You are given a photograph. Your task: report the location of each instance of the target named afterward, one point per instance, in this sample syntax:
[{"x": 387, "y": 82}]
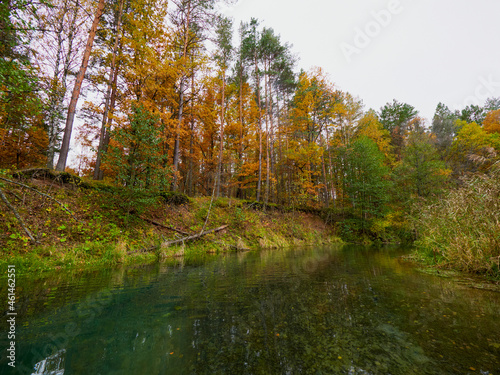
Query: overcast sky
[{"x": 421, "y": 52}]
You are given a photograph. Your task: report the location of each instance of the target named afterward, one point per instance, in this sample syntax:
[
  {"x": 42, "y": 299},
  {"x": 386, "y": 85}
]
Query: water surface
[{"x": 325, "y": 310}]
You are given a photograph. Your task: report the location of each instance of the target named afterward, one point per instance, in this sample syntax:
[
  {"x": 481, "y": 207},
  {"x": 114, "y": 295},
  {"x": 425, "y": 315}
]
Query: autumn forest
[{"x": 155, "y": 96}]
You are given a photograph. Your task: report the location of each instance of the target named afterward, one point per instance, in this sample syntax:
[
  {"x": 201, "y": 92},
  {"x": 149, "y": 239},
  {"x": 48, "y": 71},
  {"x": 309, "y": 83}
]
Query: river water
[{"x": 321, "y": 310}]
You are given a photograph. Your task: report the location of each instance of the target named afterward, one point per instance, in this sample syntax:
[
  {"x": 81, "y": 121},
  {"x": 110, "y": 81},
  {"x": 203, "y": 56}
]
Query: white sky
[{"x": 430, "y": 51}]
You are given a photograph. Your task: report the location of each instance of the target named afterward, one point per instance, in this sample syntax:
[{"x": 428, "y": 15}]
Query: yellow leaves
[
  {"x": 444, "y": 172},
  {"x": 315, "y": 105},
  {"x": 473, "y": 148},
  {"x": 371, "y": 127},
  {"x": 302, "y": 154}
]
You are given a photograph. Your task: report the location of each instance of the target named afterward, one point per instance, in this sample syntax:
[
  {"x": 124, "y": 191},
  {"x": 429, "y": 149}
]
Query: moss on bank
[{"x": 112, "y": 226}]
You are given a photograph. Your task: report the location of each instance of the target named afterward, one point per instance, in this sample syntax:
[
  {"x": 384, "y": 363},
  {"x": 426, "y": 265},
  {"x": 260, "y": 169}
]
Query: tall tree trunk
[
  {"x": 57, "y": 98},
  {"x": 259, "y": 181},
  {"x": 280, "y": 181},
  {"x": 61, "y": 164},
  {"x": 221, "y": 134},
  {"x": 266, "y": 92},
  {"x": 190, "y": 176},
  {"x": 177, "y": 152},
  {"x": 107, "y": 135},
  {"x": 113, "y": 74},
  {"x": 239, "y": 190}
]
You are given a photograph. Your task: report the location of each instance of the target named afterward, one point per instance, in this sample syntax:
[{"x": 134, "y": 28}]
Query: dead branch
[
  {"x": 193, "y": 237},
  {"x": 186, "y": 234},
  {"x": 164, "y": 226},
  {"x": 16, "y": 214},
  {"x": 15, "y": 195},
  {"x": 42, "y": 194}
]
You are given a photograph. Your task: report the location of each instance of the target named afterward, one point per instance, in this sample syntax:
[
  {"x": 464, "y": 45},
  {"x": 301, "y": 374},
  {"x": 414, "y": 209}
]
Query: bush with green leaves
[
  {"x": 366, "y": 181},
  {"x": 137, "y": 159},
  {"x": 136, "y": 156}
]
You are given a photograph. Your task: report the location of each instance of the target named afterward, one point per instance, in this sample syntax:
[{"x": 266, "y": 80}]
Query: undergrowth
[{"x": 462, "y": 231}]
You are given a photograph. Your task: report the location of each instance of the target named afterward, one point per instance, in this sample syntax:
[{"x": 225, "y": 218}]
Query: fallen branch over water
[
  {"x": 193, "y": 237},
  {"x": 184, "y": 233},
  {"x": 175, "y": 242}
]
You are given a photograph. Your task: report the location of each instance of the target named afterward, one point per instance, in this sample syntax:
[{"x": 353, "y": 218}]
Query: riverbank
[
  {"x": 462, "y": 230},
  {"x": 89, "y": 225}
]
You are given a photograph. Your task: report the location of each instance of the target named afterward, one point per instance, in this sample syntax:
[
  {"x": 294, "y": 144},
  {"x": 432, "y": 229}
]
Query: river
[{"x": 314, "y": 310}]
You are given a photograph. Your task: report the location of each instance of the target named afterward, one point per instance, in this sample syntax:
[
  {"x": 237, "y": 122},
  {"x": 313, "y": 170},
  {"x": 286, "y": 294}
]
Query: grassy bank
[
  {"x": 462, "y": 231},
  {"x": 109, "y": 226}
]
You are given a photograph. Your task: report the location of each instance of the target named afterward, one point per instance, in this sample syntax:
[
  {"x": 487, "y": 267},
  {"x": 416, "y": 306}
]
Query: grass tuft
[{"x": 462, "y": 231}]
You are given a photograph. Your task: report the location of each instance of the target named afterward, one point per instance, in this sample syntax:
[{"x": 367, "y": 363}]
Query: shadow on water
[{"x": 326, "y": 310}]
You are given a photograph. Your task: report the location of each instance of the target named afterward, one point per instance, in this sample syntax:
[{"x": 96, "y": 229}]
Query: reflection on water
[{"x": 345, "y": 310}]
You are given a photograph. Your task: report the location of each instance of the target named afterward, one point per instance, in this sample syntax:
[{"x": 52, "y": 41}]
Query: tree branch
[
  {"x": 193, "y": 237},
  {"x": 16, "y": 214},
  {"x": 42, "y": 194}
]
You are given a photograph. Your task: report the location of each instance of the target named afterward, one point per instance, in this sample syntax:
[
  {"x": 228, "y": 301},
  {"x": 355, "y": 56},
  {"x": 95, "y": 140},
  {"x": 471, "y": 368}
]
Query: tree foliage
[
  {"x": 134, "y": 158},
  {"x": 367, "y": 181}
]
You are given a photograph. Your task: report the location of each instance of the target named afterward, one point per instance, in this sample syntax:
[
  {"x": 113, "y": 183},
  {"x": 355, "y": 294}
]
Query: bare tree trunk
[
  {"x": 259, "y": 181},
  {"x": 221, "y": 134},
  {"x": 177, "y": 152},
  {"x": 61, "y": 164},
  {"x": 57, "y": 98},
  {"x": 113, "y": 74},
  {"x": 239, "y": 190},
  {"x": 107, "y": 135},
  {"x": 280, "y": 181},
  {"x": 266, "y": 92},
  {"x": 190, "y": 176}
]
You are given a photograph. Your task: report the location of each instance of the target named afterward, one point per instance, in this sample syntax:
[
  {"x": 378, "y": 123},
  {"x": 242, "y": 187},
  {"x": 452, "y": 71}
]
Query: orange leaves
[
  {"x": 491, "y": 123},
  {"x": 20, "y": 148}
]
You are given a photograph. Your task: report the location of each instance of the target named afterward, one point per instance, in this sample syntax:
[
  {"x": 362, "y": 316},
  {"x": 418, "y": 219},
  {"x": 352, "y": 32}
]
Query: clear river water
[{"x": 314, "y": 310}]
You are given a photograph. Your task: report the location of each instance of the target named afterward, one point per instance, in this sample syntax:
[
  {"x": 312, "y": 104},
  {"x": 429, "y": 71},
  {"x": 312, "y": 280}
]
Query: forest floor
[{"x": 101, "y": 226}]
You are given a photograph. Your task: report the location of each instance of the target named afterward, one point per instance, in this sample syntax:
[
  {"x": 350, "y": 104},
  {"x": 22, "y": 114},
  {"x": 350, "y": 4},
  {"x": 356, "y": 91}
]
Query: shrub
[{"x": 174, "y": 198}]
